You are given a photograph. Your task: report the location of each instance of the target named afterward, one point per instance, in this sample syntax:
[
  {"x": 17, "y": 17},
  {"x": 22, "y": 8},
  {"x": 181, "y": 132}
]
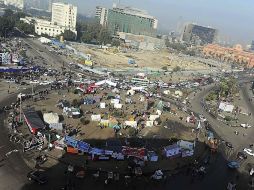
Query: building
[
  {"x": 252, "y": 46},
  {"x": 199, "y": 35},
  {"x": 101, "y": 14},
  {"x": 16, "y": 3},
  {"x": 128, "y": 20},
  {"x": 64, "y": 15},
  {"x": 63, "y": 18},
  {"x": 48, "y": 28},
  {"x": 231, "y": 55}
]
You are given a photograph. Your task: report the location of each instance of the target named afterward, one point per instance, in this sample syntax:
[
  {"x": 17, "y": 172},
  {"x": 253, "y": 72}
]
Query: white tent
[
  {"x": 118, "y": 106},
  {"x": 224, "y": 106},
  {"x": 131, "y": 123},
  {"x": 44, "y": 40},
  {"x": 153, "y": 117},
  {"x": 96, "y": 117},
  {"x": 51, "y": 118}
]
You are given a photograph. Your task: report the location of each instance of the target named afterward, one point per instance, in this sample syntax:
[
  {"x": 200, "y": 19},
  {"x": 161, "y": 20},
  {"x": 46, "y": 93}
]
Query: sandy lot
[{"x": 151, "y": 59}]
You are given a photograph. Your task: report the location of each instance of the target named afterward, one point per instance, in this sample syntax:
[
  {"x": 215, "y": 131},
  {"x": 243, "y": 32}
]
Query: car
[
  {"x": 37, "y": 176},
  {"x": 245, "y": 125},
  {"x": 249, "y": 151},
  {"x": 229, "y": 145},
  {"x": 233, "y": 164},
  {"x": 10, "y": 81},
  {"x": 202, "y": 118},
  {"x": 45, "y": 83},
  {"x": 241, "y": 155},
  {"x": 23, "y": 83},
  {"x": 34, "y": 82}
]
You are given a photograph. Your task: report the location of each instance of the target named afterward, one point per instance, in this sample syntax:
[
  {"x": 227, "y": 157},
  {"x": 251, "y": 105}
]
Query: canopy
[
  {"x": 33, "y": 120},
  {"x": 51, "y": 118}
]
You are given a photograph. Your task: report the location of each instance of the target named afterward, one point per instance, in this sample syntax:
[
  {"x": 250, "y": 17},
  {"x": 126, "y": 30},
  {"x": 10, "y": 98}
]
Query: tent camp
[{"x": 33, "y": 120}]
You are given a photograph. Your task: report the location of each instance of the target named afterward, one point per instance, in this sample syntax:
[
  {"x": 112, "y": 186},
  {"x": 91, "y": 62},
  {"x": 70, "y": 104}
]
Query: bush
[
  {"x": 164, "y": 68},
  {"x": 75, "y": 103},
  {"x": 228, "y": 118},
  {"x": 176, "y": 69},
  {"x": 84, "y": 121},
  {"x": 132, "y": 132},
  {"x": 76, "y": 91}
]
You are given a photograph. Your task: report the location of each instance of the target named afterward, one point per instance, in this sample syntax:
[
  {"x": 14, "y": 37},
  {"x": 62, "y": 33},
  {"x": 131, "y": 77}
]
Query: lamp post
[{"x": 20, "y": 108}]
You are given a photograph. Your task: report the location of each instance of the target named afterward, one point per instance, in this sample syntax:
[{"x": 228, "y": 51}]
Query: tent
[
  {"x": 225, "y": 106},
  {"x": 56, "y": 126},
  {"x": 96, "y": 117},
  {"x": 131, "y": 124},
  {"x": 172, "y": 150},
  {"x": 33, "y": 120},
  {"x": 51, "y": 118}
]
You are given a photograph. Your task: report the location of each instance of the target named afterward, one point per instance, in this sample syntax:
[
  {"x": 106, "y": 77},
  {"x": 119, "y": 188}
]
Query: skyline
[{"x": 173, "y": 14}]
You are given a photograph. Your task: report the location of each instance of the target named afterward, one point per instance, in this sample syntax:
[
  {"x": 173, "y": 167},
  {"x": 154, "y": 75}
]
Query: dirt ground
[
  {"x": 148, "y": 59},
  {"x": 93, "y": 131}
]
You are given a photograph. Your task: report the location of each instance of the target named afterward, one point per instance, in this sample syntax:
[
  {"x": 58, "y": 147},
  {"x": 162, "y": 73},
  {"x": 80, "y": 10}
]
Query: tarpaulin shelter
[
  {"x": 33, "y": 121},
  {"x": 51, "y": 118},
  {"x": 172, "y": 150},
  {"x": 227, "y": 107},
  {"x": 56, "y": 126}
]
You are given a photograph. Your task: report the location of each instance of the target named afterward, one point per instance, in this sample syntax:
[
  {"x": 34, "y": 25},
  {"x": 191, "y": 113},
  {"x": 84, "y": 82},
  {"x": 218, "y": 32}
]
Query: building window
[
  {"x": 37, "y": 27},
  {"x": 49, "y": 29}
]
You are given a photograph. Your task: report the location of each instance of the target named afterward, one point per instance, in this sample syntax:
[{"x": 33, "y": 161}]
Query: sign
[
  {"x": 135, "y": 152},
  {"x": 70, "y": 141}
]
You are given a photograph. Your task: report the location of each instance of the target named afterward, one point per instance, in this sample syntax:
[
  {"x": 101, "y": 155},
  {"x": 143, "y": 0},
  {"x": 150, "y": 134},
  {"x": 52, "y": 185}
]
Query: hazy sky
[{"x": 233, "y": 18}]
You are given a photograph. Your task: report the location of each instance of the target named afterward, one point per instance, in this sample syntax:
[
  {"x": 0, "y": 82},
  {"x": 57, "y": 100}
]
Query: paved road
[{"x": 227, "y": 133}]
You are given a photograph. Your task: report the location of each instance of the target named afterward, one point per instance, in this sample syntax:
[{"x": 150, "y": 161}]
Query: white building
[
  {"x": 64, "y": 15},
  {"x": 49, "y": 28},
  {"x": 101, "y": 14},
  {"x": 16, "y": 3},
  {"x": 63, "y": 18}
]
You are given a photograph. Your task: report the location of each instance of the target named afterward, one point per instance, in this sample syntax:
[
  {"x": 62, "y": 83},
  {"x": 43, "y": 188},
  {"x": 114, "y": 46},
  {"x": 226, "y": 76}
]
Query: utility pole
[{"x": 20, "y": 99}]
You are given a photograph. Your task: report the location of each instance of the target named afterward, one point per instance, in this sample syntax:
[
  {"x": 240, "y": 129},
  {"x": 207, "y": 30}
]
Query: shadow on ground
[{"x": 178, "y": 173}]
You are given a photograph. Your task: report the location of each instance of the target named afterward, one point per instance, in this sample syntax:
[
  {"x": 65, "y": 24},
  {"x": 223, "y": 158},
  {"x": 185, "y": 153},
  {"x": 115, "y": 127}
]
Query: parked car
[
  {"x": 245, "y": 125},
  {"x": 34, "y": 82},
  {"x": 229, "y": 145},
  {"x": 37, "y": 176},
  {"x": 233, "y": 164},
  {"x": 45, "y": 83},
  {"x": 241, "y": 155},
  {"x": 249, "y": 151}
]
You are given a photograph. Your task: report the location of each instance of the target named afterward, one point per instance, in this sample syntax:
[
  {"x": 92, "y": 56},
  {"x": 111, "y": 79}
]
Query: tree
[
  {"x": 25, "y": 27},
  {"x": 86, "y": 37},
  {"x": 104, "y": 36},
  {"x": 69, "y": 35},
  {"x": 176, "y": 69},
  {"x": 115, "y": 42}
]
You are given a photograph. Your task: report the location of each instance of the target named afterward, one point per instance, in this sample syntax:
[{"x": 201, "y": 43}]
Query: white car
[
  {"x": 34, "y": 82},
  {"x": 246, "y": 125},
  {"x": 10, "y": 81},
  {"x": 249, "y": 151},
  {"x": 45, "y": 83},
  {"x": 202, "y": 118}
]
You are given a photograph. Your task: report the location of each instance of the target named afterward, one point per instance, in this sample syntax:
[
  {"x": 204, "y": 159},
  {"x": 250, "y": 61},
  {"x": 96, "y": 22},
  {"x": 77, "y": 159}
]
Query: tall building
[
  {"x": 16, "y": 3},
  {"x": 101, "y": 14},
  {"x": 252, "y": 46},
  {"x": 64, "y": 15},
  {"x": 199, "y": 35},
  {"x": 128, "y": 20}
]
